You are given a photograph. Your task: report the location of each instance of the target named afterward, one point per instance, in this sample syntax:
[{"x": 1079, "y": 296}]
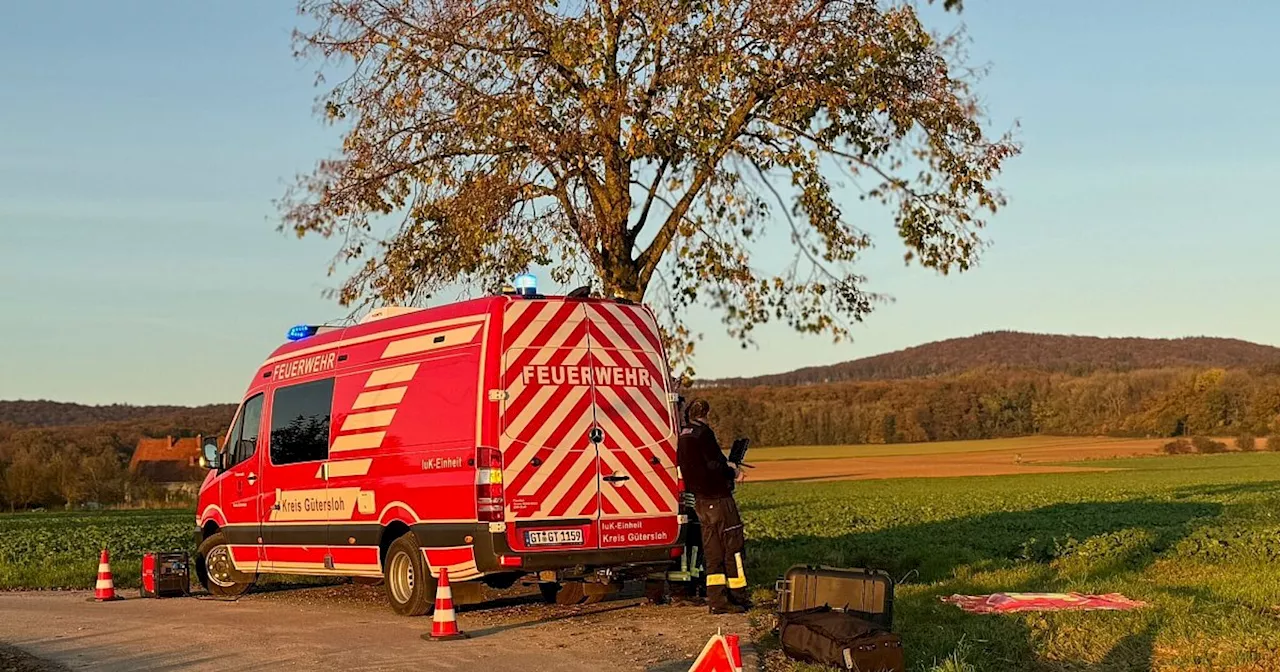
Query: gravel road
[{"x": 349, "y": 628}]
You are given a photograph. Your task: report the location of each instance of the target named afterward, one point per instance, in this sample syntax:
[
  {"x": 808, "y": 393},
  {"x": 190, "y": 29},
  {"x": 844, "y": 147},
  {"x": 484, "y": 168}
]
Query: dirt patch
[{"x": 1031, "y": 460}]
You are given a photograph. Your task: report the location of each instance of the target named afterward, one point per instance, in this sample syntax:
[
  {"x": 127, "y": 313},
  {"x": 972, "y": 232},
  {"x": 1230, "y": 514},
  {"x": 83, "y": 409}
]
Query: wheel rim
[
  {"x": 219, "y": 567},
  {"x": 400, "y": 578}
]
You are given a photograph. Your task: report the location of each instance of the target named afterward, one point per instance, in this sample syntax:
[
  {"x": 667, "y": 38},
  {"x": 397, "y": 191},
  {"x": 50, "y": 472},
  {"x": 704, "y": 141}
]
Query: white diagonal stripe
[
  {"x": 357, "y": 441},
  {"x": 515, "y": 426},
  {"x": 514, "y": 380},
  {"x": 387, "y": 397},
  {"x": 586, "y": 462},
  {"x": 646, "y": 504},
  {"x": 368, "y": 420},
  {"x": 591, "y": 490},
  {"x": 431, "y": 341},
  {"x": 538, "y": 440},
  {"x": 398, "y": 374}
]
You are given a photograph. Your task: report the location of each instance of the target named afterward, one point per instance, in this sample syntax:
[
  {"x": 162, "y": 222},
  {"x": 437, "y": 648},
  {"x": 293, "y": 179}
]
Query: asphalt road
[{"x": 349, "y": 628}]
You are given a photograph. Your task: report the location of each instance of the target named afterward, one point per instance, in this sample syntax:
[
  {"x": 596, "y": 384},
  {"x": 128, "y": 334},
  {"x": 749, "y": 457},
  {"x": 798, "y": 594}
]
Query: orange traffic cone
[
  {"x": 715, "y": 657},
  {"x": 105, "y": 589},
  {"x": 444, "y": 624}
]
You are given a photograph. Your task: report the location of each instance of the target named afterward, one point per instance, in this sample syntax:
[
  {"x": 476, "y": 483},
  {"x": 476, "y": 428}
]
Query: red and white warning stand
[{"x": 721, "y": 654}]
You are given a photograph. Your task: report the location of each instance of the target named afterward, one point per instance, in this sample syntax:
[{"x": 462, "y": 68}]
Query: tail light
[{"x": 489, "y": 499}]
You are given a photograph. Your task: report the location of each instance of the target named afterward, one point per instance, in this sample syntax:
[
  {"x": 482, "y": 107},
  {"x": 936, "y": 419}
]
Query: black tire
[
  {"x": 410, "y": 588},
  {"x": 549, "y": 591},
  {"x": 214, "y": 555}
]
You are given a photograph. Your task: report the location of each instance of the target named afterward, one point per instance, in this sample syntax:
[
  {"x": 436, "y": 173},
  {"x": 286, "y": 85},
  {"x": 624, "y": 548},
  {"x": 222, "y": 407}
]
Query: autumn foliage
[{"x": 650, "y": 147}]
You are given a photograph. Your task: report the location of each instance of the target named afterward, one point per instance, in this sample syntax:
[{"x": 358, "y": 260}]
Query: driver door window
[{"x": 242, "y": 440}]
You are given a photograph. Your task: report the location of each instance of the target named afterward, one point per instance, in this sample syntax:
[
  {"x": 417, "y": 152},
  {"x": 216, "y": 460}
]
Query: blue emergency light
[
  {"x": 526, "y": 284},
  {"x": 301, "y": 331}
]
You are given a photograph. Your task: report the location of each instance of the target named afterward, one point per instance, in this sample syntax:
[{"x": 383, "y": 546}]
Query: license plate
[{"x": 553, "y": 537}]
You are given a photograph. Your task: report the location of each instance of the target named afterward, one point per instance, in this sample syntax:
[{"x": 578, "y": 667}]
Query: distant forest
[
  {"x": 58, "y": 454},
  {"x": 991, "y": 403},
  {"x": 992, "y": 385}
]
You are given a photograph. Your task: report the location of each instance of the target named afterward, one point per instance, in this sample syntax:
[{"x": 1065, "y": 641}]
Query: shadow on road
[{"x": 580, "y": 612}]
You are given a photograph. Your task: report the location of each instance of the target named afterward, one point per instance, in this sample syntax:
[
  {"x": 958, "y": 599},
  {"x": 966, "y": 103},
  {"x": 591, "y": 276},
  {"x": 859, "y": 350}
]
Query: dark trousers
[{"x": 722, "y": 550}]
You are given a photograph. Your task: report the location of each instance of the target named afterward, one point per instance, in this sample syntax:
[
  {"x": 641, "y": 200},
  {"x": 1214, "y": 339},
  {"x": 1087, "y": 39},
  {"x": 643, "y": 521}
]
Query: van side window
[
  {"x": 242, "y": 441},
  {"x": 300, "y": 422}
]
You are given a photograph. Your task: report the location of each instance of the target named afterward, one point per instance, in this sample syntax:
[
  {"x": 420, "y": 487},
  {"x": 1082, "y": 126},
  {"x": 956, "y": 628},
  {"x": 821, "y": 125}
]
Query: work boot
[
  {"x": 740, "y": 598},
  {"x": 730, "y": 608}
]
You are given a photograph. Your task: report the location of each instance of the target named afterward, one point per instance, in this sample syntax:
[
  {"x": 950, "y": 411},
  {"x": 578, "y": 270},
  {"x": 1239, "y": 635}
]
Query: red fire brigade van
[{"x": 500, "y": 437}]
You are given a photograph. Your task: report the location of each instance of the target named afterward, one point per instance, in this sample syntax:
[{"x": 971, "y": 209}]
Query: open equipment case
[
  {"x": 865, "y": 593},
  {"x": 839, "y": 617}
]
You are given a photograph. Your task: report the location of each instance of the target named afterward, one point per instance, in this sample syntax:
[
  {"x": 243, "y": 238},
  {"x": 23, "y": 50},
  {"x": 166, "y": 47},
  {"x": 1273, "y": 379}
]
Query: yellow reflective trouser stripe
[
  {"x": 715, "y": 580},
  {"x": 739, "y": 581}
]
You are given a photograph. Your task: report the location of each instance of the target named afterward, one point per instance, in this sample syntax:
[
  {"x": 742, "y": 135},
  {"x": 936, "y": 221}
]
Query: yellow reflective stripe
[
  {"x": 739, "y": 581},
  {"x": 716, "y": 580}
]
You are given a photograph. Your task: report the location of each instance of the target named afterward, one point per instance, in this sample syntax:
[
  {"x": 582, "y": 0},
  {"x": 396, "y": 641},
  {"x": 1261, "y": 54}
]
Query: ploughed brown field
[{"x": 1027, "y": 455}]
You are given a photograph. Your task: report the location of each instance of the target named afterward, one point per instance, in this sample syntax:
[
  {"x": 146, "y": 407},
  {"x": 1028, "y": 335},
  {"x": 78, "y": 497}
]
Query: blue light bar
[
  {"x": 301, "y": 331},
  {"x": 526, "y": 284}
]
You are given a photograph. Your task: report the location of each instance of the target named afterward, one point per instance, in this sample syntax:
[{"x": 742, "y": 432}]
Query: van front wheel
[
  {"x": 410, "y": 587},
  {"x": 215, "y": 570}
]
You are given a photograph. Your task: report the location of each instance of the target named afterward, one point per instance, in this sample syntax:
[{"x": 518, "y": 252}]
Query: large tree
[{"x": 645, "y": 145}]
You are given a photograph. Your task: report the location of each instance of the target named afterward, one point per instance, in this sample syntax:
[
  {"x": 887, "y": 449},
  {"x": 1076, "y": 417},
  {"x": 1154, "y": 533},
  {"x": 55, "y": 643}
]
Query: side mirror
[{"x": 210, "y": 459}]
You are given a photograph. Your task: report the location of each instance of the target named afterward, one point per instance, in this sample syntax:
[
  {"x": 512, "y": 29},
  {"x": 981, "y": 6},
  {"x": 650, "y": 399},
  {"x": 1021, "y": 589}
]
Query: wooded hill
[
  {"x": 1004, "y": 384},
  {"x": 62, "y": 414},
  {"x": 1073, "y": 355}
]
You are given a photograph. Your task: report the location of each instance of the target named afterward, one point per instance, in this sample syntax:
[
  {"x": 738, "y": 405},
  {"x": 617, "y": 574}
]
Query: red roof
[{"x": 168, "y": 459}]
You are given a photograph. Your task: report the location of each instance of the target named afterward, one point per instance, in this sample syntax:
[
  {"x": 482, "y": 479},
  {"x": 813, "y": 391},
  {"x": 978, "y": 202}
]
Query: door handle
[
  {"x": 253, "y": 478},
  {"x": 616, "y": 479}
]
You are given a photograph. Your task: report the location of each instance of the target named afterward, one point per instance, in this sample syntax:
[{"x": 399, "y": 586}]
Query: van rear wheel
[
  {"x": 216, "y": 571},
  {"x": 411, "y": 589}
]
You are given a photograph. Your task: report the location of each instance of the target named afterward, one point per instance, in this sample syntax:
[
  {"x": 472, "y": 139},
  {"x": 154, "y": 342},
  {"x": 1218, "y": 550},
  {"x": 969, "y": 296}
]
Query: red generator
[{"x": 165, "y": 575}]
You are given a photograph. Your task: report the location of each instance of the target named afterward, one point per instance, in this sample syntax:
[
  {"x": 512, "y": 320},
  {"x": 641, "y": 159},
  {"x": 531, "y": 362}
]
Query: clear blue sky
[{"x": 141, "y": 144}]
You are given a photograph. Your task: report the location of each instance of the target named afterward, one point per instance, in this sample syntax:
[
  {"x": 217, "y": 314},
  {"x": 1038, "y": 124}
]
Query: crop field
[
  {"x": 1197, "y": 537},
  {"x": 1025, "y": 455},
  {"x": 60, "y": 550}
]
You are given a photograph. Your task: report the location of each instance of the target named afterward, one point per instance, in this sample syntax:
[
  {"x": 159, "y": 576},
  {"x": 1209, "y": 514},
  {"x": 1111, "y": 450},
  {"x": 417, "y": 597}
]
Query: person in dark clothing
[{"x": 709, "y": 476}]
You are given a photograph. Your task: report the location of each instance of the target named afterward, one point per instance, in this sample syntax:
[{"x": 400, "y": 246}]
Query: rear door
[
  {"x": 550, "y": 463},
  {"x": 637, "y": 453}
]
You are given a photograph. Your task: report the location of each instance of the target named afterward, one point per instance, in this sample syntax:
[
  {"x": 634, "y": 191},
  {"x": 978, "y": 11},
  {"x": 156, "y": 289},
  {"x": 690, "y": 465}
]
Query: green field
[
  {"x": 774, "y": 454},
  {"x": 1198, "y": 537},
  {"x": 60, "y": 550}
]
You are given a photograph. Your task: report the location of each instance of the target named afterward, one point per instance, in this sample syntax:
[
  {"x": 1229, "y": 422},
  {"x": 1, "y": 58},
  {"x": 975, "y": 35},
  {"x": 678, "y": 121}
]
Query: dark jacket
[{"x": 703, "y": 466}]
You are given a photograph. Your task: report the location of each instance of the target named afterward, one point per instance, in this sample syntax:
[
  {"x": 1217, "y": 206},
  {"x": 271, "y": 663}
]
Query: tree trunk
[{"x": 622, "y": 280}]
